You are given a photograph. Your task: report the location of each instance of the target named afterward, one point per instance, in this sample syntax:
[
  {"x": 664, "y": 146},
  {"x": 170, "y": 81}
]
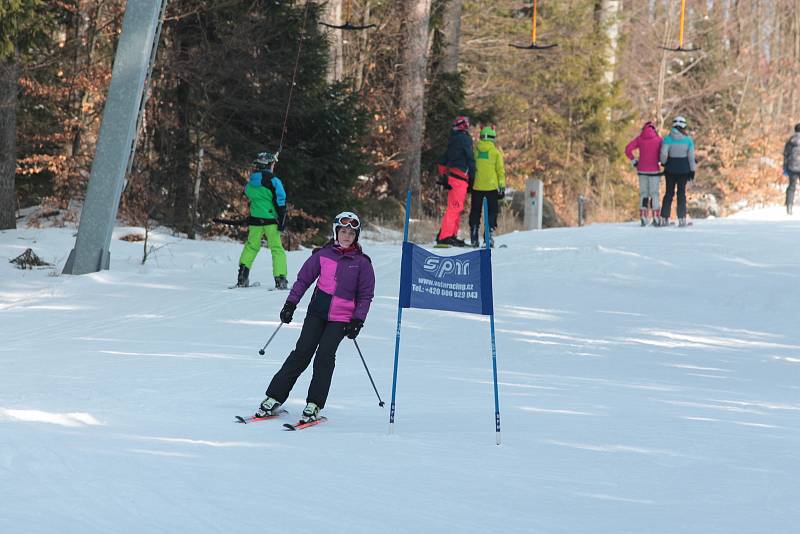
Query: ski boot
[
  {"x": 491, "y": 237},
  {"x": 453, "y": 241},
  {"x": 682, "y": 221},
  {"x": 281, "y": 282},
  {"x": 643, "y": 216},
  {"x": 268, "y": 407},
  {"x": 310, "y": 412},
  {"x": 243, "y": 279},
  {"x": 473, "y": 236}
]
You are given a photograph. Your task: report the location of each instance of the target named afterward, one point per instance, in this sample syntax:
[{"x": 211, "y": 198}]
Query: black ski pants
[
  {"x": 318, "y": 335},
  {"x": 476, "y": 208},
  {"x": 790, "y": 190},
  {"x": 675, "y": 181}
]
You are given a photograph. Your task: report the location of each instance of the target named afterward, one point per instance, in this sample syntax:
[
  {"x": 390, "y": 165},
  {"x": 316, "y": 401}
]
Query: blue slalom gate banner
[{"x": 461, "y": 283}]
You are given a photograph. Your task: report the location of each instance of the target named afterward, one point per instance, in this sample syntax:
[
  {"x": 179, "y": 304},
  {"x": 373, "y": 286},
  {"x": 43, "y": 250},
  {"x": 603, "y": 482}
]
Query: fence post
[{"x": 534, "y": 197}]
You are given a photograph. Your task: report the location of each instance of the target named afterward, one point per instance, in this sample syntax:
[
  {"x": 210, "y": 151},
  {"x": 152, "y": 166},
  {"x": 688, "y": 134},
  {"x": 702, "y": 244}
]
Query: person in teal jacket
[
  {"x": 677, "y": 157},
  {"x": 267, "y": 219}
]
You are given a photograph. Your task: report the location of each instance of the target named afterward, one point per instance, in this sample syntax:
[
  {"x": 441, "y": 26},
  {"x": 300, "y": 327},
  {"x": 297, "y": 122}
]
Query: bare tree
[
  {"x": 363, "y": 47},
  {"x": 333, "y": 15},
  {"x": 452, "y": 35},
  {"x": 607, "y": 12},
  {"x": 416, "y": 14},
  {"x": 8, "y": 147}
]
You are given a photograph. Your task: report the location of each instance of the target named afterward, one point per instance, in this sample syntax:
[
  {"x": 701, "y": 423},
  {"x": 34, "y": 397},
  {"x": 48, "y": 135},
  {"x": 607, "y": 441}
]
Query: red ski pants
[{"x": 455, "y": 207}]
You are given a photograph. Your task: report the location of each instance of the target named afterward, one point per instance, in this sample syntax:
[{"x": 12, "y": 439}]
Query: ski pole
[
  {"x": 380, "y": 402},
  {"x": 262, "y": 349}
]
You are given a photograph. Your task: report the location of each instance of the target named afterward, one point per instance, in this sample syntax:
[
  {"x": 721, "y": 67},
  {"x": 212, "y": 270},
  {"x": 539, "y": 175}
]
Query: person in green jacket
[
  {"x": 267, "y": 219},
  {"x": 490, "y": 183}
]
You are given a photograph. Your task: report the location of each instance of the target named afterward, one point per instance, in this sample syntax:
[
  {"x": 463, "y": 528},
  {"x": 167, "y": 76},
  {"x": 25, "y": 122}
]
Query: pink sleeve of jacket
[{"x": 633, "y": 145}]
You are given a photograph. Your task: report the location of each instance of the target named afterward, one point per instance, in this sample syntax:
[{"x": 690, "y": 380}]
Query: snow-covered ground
[{"x": 649, "y": 382}]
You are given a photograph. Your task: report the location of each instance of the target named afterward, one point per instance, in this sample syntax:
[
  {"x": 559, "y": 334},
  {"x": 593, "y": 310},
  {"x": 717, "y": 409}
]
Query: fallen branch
[{"x": 29, "y": 260}]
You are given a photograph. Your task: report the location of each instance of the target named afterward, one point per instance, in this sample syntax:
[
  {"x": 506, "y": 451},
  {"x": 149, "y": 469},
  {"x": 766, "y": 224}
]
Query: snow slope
[{"x": 649, "y": 382}]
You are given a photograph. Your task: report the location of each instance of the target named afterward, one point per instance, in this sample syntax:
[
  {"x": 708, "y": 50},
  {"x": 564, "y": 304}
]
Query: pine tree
[
  {"x": 22, "y": 28},
  {"x": 222, "y": 83}
]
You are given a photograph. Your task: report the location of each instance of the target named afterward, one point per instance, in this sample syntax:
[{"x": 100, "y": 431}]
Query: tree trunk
[
  {"x": 452, "y": 35},
  {"x": 333, "y": 15},
  {"x": 795, "y": 56},
  {"x": 416, "y": 14},
  {"x": 8, "y": 143},
  {"x": 363, "y": 47},
  {"x": 196, "y": 198},
  {"x": 182, "y": 143},
  {"x": 83, "y": 29},
  {"x": 662, "y": 71},
  {"x": 607, "y": 12}
]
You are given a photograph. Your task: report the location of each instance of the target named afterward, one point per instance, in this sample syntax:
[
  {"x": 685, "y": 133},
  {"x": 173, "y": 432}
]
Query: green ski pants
[{"x": 253, "y": 245}]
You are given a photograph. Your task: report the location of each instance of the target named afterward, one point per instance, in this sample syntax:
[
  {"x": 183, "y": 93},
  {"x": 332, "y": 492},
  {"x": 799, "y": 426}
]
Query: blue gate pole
[
  {"x": 399, "y": 321},
  {"x": 486, "y": 242}
]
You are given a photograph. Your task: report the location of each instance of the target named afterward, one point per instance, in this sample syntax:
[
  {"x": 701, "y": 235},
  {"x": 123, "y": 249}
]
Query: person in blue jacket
[
  {"x": 456, "y": 174},
  {"x": 791, "y": 166}
]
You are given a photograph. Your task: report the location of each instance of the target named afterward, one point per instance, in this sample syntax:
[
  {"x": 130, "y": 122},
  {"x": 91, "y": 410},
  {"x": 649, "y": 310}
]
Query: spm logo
[{"x": 440, "y": 267}]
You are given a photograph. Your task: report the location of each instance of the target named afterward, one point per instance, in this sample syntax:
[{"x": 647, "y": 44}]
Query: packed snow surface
[{"x": 649, "y": 382}]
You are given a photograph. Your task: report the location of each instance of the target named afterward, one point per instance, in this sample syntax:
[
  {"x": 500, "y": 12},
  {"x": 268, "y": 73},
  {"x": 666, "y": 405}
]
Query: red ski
[
  {"x": 301, "y": 425},
  {"x": 254, "y": 419}
]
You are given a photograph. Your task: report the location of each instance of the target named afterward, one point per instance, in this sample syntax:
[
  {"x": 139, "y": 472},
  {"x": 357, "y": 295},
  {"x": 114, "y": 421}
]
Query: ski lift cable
[
  {"x": 680, "y": 33},
  {"x": 347, "y": 26},
  {"x": 294, "y": 78},
  {"x": 534, "y": 45}
]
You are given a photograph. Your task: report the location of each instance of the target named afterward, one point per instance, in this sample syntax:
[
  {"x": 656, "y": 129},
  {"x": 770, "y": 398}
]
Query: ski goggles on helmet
[{"x": 352, "y": 222}]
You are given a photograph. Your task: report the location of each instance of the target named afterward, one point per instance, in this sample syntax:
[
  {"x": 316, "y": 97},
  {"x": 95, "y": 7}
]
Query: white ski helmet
[
  {"x": 346, "y": 218},
  {"x": 265, "y": 159},
  {"x": 679, "y": 122}
]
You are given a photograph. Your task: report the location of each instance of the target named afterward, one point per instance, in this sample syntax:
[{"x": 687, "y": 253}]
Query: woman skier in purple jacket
[{"x": 345, "y": 287}]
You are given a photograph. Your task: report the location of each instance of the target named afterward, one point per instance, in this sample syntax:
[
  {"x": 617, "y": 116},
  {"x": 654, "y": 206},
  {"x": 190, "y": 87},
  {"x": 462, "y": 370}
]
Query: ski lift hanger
[
  {"x": 534, "y": 45},
  {"x": 347, "y": 26},
  {"x": 681, "y": 48}
]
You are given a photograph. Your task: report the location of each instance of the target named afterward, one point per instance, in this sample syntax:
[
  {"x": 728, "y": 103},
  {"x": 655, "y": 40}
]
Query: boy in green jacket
[
  {"x": 267, "y": 219},
  {"x": 490, "y": 183}
]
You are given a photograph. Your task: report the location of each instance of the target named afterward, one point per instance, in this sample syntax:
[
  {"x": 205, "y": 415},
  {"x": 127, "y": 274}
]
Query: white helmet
[
  {"x": 679, "y": 122},
  {"x": 347, "y": 218}
]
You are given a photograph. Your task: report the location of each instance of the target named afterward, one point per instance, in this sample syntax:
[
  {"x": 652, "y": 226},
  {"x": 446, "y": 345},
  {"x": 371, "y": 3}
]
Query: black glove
[
  {"x": 444, "y": 182},
  {"x": 287, "y": 312},
  {"x": 691, "y": 175},
  {"x": 281, "y": 218},
  {"x": 501, "y": 193},
  {"x": 352, "y": 328}
]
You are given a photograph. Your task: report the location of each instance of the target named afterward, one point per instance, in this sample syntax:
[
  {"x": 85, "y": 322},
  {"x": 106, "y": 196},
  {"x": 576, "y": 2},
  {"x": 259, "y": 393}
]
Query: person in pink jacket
[{"x": 648, "y": 143}]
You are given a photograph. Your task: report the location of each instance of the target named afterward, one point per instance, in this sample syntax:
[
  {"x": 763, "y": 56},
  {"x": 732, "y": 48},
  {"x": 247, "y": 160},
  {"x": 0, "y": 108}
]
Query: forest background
[{"x": 371, "y": 110}]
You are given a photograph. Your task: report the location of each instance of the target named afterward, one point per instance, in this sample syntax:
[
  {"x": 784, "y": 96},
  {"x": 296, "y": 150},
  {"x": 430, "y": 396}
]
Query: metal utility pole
[{"x": 141, "y": 27}]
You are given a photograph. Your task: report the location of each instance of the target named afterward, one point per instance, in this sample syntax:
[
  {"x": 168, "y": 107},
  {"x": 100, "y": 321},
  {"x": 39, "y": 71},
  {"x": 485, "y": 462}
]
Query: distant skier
[
  {"x": 791, "y": 166},
  {"x": 677, "y": 156},
  {"x": 490, "y": 183},
  {"x": 648, "y": 143},
  {"x": 345, "y": 287},
  {"x": 456, "y": 173},
  {"x": 267, "y": 219}
]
